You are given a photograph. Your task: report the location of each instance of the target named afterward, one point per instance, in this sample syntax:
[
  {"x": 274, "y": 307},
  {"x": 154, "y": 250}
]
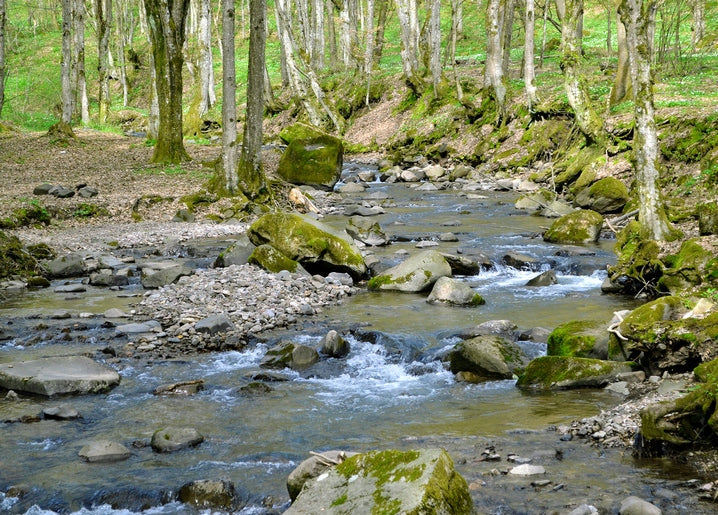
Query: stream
[{"x": 395, "y": 393}]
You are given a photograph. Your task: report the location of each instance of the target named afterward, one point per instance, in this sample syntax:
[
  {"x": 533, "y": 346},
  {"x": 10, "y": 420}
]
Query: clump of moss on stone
[{"x": 14, "y": 259}]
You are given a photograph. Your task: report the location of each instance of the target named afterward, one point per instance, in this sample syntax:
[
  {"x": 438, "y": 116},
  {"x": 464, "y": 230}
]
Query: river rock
[
  {"x": 361, "y": 210},
  {"x": 60, "y": 191},
  {"x": 157, "y": 277},
  {"x": 173, "y": 439},
  {"x": 316, "y": 246},
  {"x": 417, "y": 273},
  {"x": 184, "y": 388},
  {"x": 334, "y": 345},
  {"x": 339, "y": 279},
  {"x": 582, "y": 226},
  {"x": 61, "y": 375},
  {"x": 490, "y": 357},
  {"x": 584, "y": 509},
  {"x": 87, "y": 192},
  {"x": 107, "y": 278},
  {"x": 462, "y": 265},
  {"x": 289, "y": 355},
  {"x": 272, "y": 260},
  {"x": 506, "y": 329},
  {"x": 211, "y": 494},
  {"x": 104, "y": 451},
  {"x": 42, "y": 189},
  {"x": 636, "y": 506},
  {"x": 214, "y": 324},
  {"x": 452, "y": 291},
  {"x": 607, "y": 195},
  {"x": 535, "y": 201},
  {"x": 556, "y": 209},
  {"x": 527, "y": 470},
  {"x": 71, "y": 288},
  {"x": 312, "y": 159},
  {"x": 520, "y": 261},
  {"x": 138, "y": 327},
  {"x": 434, "y": 172},
  {"x": 546, "y": 278},
  {"x": 60, "y": 413},
  {"x": 421, "y": 481},
  {"x": 114, "y": 313},
  {"x": 313, "y": 467},
  {"x": 236, "y": 254},
  {"x": 366, "y": 231},
  {"x": 579, "y": 338},
  {"x": 352, "y": 187},
  {"x": 71, "y": 265},
  {"x": 563, "y": 372}
]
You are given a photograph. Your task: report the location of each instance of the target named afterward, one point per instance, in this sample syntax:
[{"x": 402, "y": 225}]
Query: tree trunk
[
  {"x": 332, "y": 33},
  {"x": 103, "y": 15},
  {"x": 383, "y": 8},
  {"x": 622, "y": 84},
  {"x": 317, "y": 54},
  {"x": 229, "y": 99},
  {"x": 251, "y": 174},
  {"x": 78, "y": 61},
  {"x": 639, "y": 17},
  {"x": 206, "y": 71},
  {"x": 699, "y": 23},
  {"x": 493, "y": 72},
  {"x": 570, "y": 13},
  {"x": 409, "y": 28},
  {"x": 348, "y": 35},
  {"x": 507, "y": 30},
  {"x": 435, "y": 45},
  {"x": 3, "y": 24},
  {"x": 166, "y": 23},
  {"x": 529, "y": 70},
  {"x": 120, "y": 11},
  {"x": 67, "y": 106}
]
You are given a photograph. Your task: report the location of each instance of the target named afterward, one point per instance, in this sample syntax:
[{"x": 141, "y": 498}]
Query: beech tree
[
  {"x": 166, "y": 26},
  {"x": 103, "y": 14},
  {"x": 229, "y": 100},
  {"x": 493, "y": 71},
  {"x": 78, "y": 77},
  {"x": 409, "y": 28},
  {"x": 66, "y": 63},
  {"x": 529, "y": 69},
  {"x": 639, "y": 18},
  {"x": 3, "y": 23}
]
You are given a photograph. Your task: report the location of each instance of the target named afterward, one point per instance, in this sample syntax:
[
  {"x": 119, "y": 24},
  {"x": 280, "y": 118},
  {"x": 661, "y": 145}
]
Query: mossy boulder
[
  {"x": 535, "y": 201},
  {"x": 488, "y": 357},
  {"x": 300, "y": 131},
  {"x": 316, "y": 246},
  {"x": 607, "y": 195},
  {"x": 579, "y": 338},
  {"x": 211, "y": 494},
  {"x": 315, "y": 161},
  {"x": 269, "y": 258},
  {"x": 15, "y": 259},
  {"x": 236, "y": 254},
  {"x": 663, "y": 335},
  {"x": 367, "y": 231},
  {"x": 638, "y": 269},
  {"x": 417, "y": 273},
  {"x": 455, "y": 293},
  {"x": 692, "y": 418},
  {"x": 695, "y": 264},
  {"x": 541, "y": 138},
  {"x": 582, "y": 226},
  {"x": 288, "y": 354},
  {"x": 707, "y": 218},
  {"x": 573, "y": 164},
  {"x": 565, "y": 372},
  {"x": 390, "y": 481}
]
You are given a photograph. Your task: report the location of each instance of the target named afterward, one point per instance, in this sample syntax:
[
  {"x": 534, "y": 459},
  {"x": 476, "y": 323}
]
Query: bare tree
[
  {"x": 166, "y": 23},
  {"x": 78, "y": 77},
  {"x": 229, "y": 99},
  {"x": 206, "y": 71},
  {"x": 434, "y": 24},
  {"x": 639, "y": 17},
  {"x": 493, "y": 71},
  {"x": 622, "y": 83},
  {"x": 67, "y": 104},
  {"x": 699, "y": 23},
  {"x": 317, "y": 30},
  {"x": 103, "y": 15},
  {"x": 529, "y": 68},
  {"x": 3, "y": 24},
  {"x": 409, "y": 28}
]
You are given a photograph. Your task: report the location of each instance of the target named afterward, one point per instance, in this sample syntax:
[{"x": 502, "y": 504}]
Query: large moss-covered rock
[
  {"x": 487, "y": 357},
  {"x": 311, "y": 158},
  {"x": 211, "y": 494},
  {"x": 272, "y": 260},
  {"x": 417, "y": 273},
  {"x": 288, "y": 354},
  {"x": 316, "y": 246},
  {"x": 14, "y": 258},
  {"x": 410, "y": 482},
  {"x": 606, "y": 195},
  {"x": 300, "y": 131},
  {"x": 579, "y": 338},
  {"x": 564, "y": 372},
  {"x": 695, "y": 264},
  {"x": 582, "y": 226},
  {"x": 638, "y": 268},
  {"x": 535, "y": 200},
  {"x": 663, "y": 335}
]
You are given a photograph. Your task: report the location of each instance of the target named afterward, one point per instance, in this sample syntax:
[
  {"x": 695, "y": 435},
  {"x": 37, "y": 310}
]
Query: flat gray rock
[
  {"x": 104, "y": 451},
  {"x": 66, "y": 375}
]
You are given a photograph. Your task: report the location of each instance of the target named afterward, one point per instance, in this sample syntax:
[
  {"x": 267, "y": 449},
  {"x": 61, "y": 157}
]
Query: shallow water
[{"x": 392, "y": 394}]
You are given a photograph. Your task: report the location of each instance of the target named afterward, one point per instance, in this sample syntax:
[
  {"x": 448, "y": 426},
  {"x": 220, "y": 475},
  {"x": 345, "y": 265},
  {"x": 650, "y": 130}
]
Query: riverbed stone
[
  {"x": 183, "y": 388},
  {"x": 579, "y": 338},
  {"x": 157, "y": 277},
  {"x": 108, "y": 279},
  {"x": 506, "y": 329},
  {"x": 70, "y": 265},
  {"x": 564, "y": 372},
  {"x": 236, "y": 254},
  {"x": 211, "y": 494},
  {"x": 520, "y": 261},
  {"x": 454, "y": 292},
  {"x": 366, "y": 231},
  {"x": 104, "y": 451},
  {"x": 171, "y": 439},
  {"x": 422, "y": 481},
  {"x": 214, "y": 324},
  {"x": 417, "y": 273},
  {"x": 61, "y": 375},
  {"x": 60, "y": 413},
  {"x": 546, "y": 278},
  {"x": 527, "y": 469},
  {"x": 583, "y": 226},
  {"x": 316, "y": 246},
  {"x": 313, "y": 467},
  {"x": 138, "y": 327},
  {"x": 314, "y": 160},
  {"x": 272, "y": 260},
  {"x": 462, "y": 265},
  {"x": 556, "y": 209},
  {"x": 535, "y": 200},
  {"x": 334, "y": 345},
  {"x": 636, "y": 506},
  {"x": 489, "y": 357},
  {"x": 288, "y": 354}
]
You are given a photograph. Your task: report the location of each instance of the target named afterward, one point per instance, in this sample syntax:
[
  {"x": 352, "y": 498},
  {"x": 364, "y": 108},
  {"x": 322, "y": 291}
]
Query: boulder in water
[
  {"x": 579, "y": 338},
  {"x": 607, "y": 195},
  {"x": 563, "y": 372},
  {"x": 289, "y": 355},
  {"x": 173, "y": 439},
  {"x": 417, "y": 273},
  {"x": 236, "y": 254},
  {"x": 104, "y": 451},
  {"x": 489, "y": 357},
  {"x": 546, "y": 278},
  {"x": 334, "y": 345},
  {"x": 313, "y": 467},
  {"x": 211, "y": 494},
  {"x": 366, "y": 231},
  {"x": 454, "y": 292},
  {"x": 582, "y": 226}
]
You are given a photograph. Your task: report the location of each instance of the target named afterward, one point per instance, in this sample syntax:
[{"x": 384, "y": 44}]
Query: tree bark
[
  {"x": 507, "y": 27},
  {"x": 383, "y": 11},
  {"x": 639, "y": 17},
  {"x": 166, "y": 22},
  {"x": 229, "y": 99},
  {"x": 251, "y": 174},
  {"x": 622, "y": 84},
  {"x": 570, "y": 13},
  {"x": 529, "y": 68},
  {"x": 409, "y": 28},
  {"x": 317, "y": 54},
  {"x": 3, "y": 24},
  {"x": 493, "y": 71},
  {"x": 103, "y": 14},
  {"x": 699, "y": 23},
  {"x": 435, "y": 45},
  {"x": 78, "y": 61},
  {"x": 332, "y": 33},
  {"x": 67, "y": 105},
  {"x": 206, "y": 70}
]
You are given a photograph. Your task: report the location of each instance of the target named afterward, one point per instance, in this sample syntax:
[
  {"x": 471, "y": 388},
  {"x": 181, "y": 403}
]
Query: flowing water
[{"x": 394, "y": 393}]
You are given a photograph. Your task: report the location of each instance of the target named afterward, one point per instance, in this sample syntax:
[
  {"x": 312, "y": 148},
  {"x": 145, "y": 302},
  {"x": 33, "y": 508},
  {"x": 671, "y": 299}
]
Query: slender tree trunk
[
  {"x": 120, "y": 11},
  {"x": 409, "y": 28},
  {"x": 229, "y": 99},
  {"x": 529, "y": 69},
  {"x": 507, "y": 31},
  {"x": 78, "y": 60},
  {"x": 332, "y": 33},
  {"x": 699, "y": 23},
  {"x": 317, "y": 31},
  {"x": 251, "y": 174},
  {"x": 435, "y": 45},
  {"x": 639, "y": 17},
  {"x": 570, "y": 13},
  {"x": 609, "y": 15},
  {"x": 543, "y": 33},
  {"x": 166, "y": 23},
  {"x": 3, "y": 25},
  {"x": 103, "y": 15},
  {"x": 493, "y": 72},
  {"x": 369, "y": 42},
  {"x": 383, "y": 12},
  {"x": 67, "y": 105},
  {"x": 206, "y": 70},
  {"x": 348, "y": 36},
  {"x": 622, "y": 83}
]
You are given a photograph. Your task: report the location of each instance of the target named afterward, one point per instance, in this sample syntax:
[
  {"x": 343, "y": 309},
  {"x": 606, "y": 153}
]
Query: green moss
[
  {"x": 377, "y": 282},
  {"x": 576, "y": 338},
  {"x": 272, "y": 259},
  {"x": 574, "y": 163},
  {"x": 340, "y": 500},
  {"x": 477, "y": 300},
  {"x": 691, "y": 267},
  {"x": 578, "y": 227},
  {"x": 556, "y": 371},
  {"x": 14, "y": 259}
]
